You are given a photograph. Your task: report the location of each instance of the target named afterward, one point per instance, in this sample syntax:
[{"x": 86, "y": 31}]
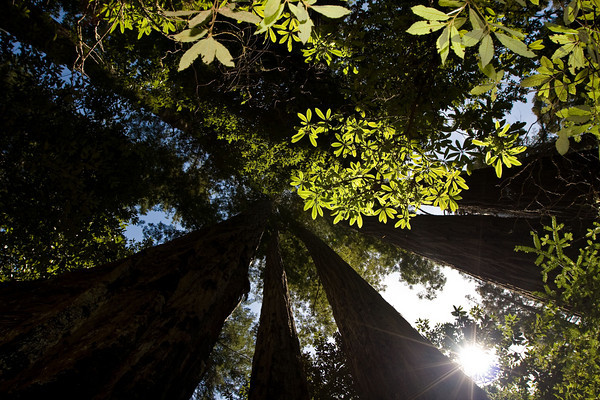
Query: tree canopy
[{"x": 362, "y": 114}]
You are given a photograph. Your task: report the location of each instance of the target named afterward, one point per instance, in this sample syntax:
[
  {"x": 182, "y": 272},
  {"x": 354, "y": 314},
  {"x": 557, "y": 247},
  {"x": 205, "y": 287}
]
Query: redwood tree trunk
[
  {"x": 563, "y": 186},
  {"x": 480, "y": 245},
  {"x": 141, "y": 328},
  {"x": 277, "y": 368},
  {"x": 388, "y": 358}
]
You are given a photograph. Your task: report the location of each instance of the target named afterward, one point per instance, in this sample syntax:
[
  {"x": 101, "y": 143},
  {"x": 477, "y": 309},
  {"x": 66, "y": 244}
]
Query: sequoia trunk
[
  {"x": 480, "y": 245},
  {"x": 141, "y": 328},
  {"x": 277, "y": 369},
  {"x": 564, "y": 186},
  {"x": 388, "y": 358}
]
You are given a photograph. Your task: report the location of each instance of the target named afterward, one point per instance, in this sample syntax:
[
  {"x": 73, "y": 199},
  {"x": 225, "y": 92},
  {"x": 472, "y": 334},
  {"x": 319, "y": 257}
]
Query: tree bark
[
  {"x": 482, "y": 246},
  {"x": 141, "y": 328},
  {"x": 388, "y": 358},
  {"x": 277, "y": 367},
  {"x": 564, "y": 186}
]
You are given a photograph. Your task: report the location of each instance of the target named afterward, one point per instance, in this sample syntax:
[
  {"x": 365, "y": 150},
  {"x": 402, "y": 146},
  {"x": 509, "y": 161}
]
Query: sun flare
[{"x": 477, "y": 362}]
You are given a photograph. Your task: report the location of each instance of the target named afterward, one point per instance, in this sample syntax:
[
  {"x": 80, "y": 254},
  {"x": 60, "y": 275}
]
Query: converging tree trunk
[
  {"x": 482, "y": 246},
  {"x": 564, "y": 186},
  {"x": 277, "y": 368},
  {"x": 388, "y": 358},
  {"x": 140, "y": 328}
]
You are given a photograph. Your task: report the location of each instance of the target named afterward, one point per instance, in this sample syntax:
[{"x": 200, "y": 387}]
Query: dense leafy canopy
[{"x": 202, "y": 107}]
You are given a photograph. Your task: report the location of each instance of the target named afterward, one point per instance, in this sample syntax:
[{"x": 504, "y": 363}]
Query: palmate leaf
[{"x": 208, "y": 49}]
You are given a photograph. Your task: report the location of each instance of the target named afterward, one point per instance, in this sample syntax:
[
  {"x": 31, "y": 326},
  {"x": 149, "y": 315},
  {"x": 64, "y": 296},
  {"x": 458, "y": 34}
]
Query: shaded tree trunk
[
  {"x": 563, "y": 186},
  {"x": 479, "y": 245},
  {"x": 142, "y": 327},
  {"x": 277, "y": 367},
  {"x": 388, "y": 358}
]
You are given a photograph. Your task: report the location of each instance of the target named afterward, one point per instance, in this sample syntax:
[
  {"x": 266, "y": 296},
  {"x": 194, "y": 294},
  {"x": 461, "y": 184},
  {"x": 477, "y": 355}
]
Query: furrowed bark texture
[
  {"x": 277, "y": 368},
  {"x": 479, "y": 245},
  {"x": 563, "y": 186},
  {"x": 141, "y": 328},
  {"x": 388, "y": 358}
]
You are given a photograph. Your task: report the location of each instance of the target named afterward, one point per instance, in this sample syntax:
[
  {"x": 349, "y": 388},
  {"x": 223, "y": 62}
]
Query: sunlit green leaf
[
  {"x": 425, "y": 27},
  {"x": 240, "y": 15},
  {"x": 200, "y": 18},
  {"x": 429, "y": 13},
  {"x": 486, "y": 50},
  {"x": 332, "y": 11},
  {"x": 190, "y": 35},
  {"x": 515, "y": 45}
]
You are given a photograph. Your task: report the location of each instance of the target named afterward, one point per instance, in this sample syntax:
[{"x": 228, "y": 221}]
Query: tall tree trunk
[
  {"x": 480, "y": 245},
  {"x": 142, "y": 327},
  {"x": 387, "y": 356},
  {"x": 564, "y": 186},
  {"x": 277, "y": 368}
]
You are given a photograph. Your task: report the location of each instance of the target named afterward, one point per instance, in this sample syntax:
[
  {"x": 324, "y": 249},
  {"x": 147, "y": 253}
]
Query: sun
[{"x": 477, "y": 362}]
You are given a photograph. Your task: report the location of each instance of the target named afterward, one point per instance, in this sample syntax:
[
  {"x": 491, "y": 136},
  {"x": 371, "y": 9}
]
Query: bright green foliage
[
  {"x": 565, "y": 344},
  {"x": 501, "y": 148},
  {"x": 567, "y": 81},
  {"x": 283, "y": 22},
  {"x": 135, "y": 16},
  {"x": 377, "y": 171},
  {"x": 483, "y": 20},
  {"x": 545, "y": 351}
]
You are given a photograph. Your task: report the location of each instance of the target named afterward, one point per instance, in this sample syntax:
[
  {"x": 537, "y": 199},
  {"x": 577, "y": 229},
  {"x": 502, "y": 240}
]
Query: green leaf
[
  {"x": 535, "y": 80},
  {"x": 476, "y": 22},
  {"x": 200, "y": 18},
  {"x": 498, "y": 169},
  {"x": 486, "y": 50},
  {"x": 515, "y": 45},
  {"x": 562, "y": 144},
  {"x": 244, "y": 16},
  {"x": 473, "y": 37},
  {"x": 271, "y": 8},
  {"x": 190, "y": 35},
  {"x": 429, "y": 13},
  {"x": 425, "y": 27},
  {"x": 182, "y": 13},
  {"x": 563, "y": 50},
  {"x": 451, "y": 3},
  {"x": 304, "y": 30},
  {"x": 560, "y": 28},
  {"x": 511, "y": 31},
  {"x": 481, "y": 89},
  {"x": 443, "y": 44},
  {"x": 223, "y": 55},
  {"x": 456, "y": 42},
  {"x": 299, "y": 11},
  {"x": 561, "y": 90},
  {"x": 268, "y": 22},
  {"x": 205, "y": 47},
  {"x": 571, "y": 12},
  {"x": 332, "y": 11}
]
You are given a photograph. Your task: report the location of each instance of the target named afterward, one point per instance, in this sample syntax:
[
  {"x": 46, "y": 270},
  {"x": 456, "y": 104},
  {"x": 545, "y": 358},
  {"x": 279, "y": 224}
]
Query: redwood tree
[
  {"x": 277, "y": 368},
  {"x": 482, "y": 246},
  {"x": 388, "y": 358},
  {"x": 142, "y": 327}
]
